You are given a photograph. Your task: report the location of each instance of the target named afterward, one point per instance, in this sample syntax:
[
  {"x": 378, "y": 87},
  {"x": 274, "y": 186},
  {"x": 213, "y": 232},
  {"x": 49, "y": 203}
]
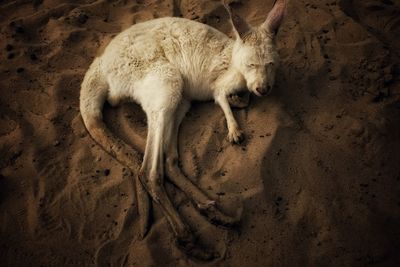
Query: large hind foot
[
  {"x": 144, "y": 207},
  {"x": 204, "y": 204},
  {"x": 217, "y": 217}
]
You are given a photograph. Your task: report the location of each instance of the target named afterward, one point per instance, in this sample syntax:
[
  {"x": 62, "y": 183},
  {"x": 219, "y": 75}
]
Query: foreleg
[
  {"x": 235, "y": 135},
  {"x": 205, "y": 204}
]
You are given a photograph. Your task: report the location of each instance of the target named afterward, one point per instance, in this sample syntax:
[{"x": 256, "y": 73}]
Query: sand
[{"x": 318, "y": 175}]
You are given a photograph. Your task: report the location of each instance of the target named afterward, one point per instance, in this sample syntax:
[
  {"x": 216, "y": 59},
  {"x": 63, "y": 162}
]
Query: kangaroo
[{"x": 164, "y": 64}]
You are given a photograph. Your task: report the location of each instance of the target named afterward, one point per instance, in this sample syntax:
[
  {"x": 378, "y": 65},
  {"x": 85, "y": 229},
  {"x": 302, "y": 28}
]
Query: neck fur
[{"x": 230, "y": 80}]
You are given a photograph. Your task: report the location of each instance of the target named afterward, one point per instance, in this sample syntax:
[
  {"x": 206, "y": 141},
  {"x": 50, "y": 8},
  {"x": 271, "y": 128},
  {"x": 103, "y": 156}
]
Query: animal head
[{"x": 254, "y": 54}]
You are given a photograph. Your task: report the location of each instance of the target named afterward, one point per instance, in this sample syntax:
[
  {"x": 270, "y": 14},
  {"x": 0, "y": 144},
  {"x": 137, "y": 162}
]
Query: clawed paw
[
  {"x": 238, "y": 101},
  {"x": 235, "y": 136}
]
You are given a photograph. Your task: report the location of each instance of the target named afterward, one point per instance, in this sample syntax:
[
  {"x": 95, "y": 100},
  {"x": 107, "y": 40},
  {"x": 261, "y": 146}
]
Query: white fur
[
  {"x": 165, "y": 63},
  {"x": 192, "y": 60}
]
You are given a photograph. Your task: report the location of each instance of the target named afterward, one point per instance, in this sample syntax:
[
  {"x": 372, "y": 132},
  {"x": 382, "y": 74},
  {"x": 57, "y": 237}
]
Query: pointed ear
[
  {"x": 240, "y": 26},
  {"x": 275, "y": 17}
]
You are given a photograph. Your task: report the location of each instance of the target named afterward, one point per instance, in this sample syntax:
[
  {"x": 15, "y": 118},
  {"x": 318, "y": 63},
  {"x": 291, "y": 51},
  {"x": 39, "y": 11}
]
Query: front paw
[
  {"x": 235, "y": 136},
  {"x": 239, "y": 101}
]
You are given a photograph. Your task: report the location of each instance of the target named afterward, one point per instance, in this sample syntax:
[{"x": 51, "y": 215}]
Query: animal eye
[{"x": 251, "y": 65}]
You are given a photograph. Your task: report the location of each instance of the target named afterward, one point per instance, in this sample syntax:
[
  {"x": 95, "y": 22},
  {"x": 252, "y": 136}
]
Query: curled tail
[{"x": 94, "y": 90}]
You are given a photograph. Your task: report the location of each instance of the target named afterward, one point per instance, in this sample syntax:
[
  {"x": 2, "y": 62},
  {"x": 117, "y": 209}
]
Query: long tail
[{"x": 94, "y": 90}]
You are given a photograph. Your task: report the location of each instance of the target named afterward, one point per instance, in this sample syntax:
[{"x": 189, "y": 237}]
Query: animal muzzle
[{"x": 264, "y": 90}]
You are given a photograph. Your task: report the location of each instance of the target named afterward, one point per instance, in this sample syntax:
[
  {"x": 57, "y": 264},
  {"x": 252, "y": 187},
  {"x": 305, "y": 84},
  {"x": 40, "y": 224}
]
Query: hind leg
[
  {"x": 172, "y": 159},
  {"x": 204, "y": 203},
  {"x": 160, "y": 111},
  {"x": 152, "y": 171},
  {"x": 152, "y": 174}
]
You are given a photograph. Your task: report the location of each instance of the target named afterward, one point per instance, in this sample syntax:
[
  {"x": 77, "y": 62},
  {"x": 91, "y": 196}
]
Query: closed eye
[{"x": 251, "y": 66}]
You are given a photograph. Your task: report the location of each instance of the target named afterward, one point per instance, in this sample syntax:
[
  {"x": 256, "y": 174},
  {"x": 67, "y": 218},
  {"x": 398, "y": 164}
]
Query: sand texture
[{"x": 318, "y": 175}]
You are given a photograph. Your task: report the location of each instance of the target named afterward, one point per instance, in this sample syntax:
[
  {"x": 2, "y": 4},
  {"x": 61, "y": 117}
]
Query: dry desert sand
[{"x": 318, "y": 175}]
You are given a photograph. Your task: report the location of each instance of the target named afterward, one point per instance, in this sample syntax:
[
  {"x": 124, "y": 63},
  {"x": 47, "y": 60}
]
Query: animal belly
[
  {"x": 198, "y": 93},
  {"x": 196, "y": 88}
]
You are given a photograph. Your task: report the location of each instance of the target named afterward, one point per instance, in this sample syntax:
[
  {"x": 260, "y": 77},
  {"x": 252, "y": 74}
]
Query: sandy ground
[{"x": 318, "y": 175}]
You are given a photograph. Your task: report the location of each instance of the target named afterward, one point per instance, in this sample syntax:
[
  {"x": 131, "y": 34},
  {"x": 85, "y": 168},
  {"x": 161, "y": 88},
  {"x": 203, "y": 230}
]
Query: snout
[{"x": 263, "y": 91}]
